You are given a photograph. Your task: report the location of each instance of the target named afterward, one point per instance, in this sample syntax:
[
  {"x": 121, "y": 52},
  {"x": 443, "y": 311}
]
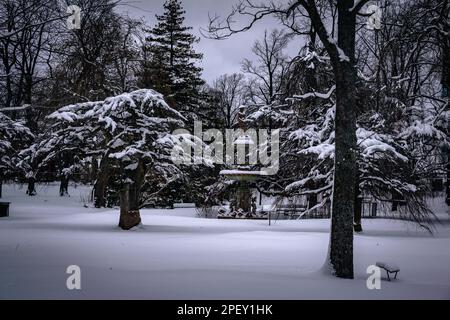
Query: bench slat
[{"x": 387, "y": 267}]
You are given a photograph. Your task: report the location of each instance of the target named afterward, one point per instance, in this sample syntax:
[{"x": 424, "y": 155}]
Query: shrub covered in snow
[
  {"x": 13, "y": 136},
  {"x": 399, "y": 144},
  {"x": 127, "y": 136}
]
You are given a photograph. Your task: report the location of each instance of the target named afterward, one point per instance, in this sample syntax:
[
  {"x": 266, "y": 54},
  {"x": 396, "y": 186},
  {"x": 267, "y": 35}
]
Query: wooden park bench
[{"x": 389, "y": 269}]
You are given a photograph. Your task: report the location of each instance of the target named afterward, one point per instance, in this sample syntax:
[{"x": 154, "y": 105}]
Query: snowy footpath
[{"x": 176, "y": 255}]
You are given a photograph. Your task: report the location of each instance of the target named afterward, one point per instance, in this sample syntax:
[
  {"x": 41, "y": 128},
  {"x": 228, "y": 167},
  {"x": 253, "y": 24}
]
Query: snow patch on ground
[{"x": 176, "y": 255}]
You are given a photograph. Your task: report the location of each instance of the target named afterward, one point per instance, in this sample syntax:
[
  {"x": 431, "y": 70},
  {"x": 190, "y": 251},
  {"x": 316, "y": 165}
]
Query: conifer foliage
[
  {"x": 170, "y": 67},
  {"x": 13, "y": 136}
]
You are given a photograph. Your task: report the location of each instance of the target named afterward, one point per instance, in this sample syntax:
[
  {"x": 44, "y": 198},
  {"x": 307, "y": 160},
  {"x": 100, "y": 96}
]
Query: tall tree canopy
[{"x": 170, "y": 67}]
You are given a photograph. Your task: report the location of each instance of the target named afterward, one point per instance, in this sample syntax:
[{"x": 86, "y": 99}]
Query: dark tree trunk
[
  {"x": 100, "y": 191},
  {"x": 341, "y": 246},
  {"x": 9, "y": 60},
  {"x": 445, "y": 42},
  {"x": 447, "y": 185},
  {"x": 357, "y": 227},
  {"x": 101, "y": 183},
  {"x": 94, "y": 169},
  {"x": 29, "y": 112},
  {"x": 130, "y": 197},
  {"x": 397, "y": 199},
  {"x": 64, "y": 186},
  {"x": 124, "y": 205},
  {"x": 31, "y": 189},
  {"x": 394, "y": 206},
  {"x": 312, "y": 200},
  {"x": 1, "y": 187},
  {"x": 9, "y": 92},
  {"x": 129, "y": 218}
]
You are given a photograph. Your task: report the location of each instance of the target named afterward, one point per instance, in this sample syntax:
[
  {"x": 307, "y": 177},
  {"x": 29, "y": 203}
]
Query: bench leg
[
  {"x": 389, "y": 278},
  {"x": 395, "y": 277}
]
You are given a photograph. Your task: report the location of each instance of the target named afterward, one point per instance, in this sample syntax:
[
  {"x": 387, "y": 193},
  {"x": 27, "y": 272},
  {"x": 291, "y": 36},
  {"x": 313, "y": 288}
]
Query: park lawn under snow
[{"x": 176, "y": 255}]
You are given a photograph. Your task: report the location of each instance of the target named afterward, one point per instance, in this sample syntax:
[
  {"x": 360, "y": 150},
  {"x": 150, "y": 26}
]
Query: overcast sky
[{"x": 220, "y": 56}]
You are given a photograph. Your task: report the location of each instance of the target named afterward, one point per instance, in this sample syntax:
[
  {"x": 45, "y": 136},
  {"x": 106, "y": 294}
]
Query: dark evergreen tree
[
  {"x": 14, "y": 135},
  {"x": 170, "y": 58}
]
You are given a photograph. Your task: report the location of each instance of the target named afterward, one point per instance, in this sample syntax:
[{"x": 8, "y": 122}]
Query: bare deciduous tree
[
  {"x": 341, "y": 52},
  {"x": 230, "y": 95},
  {"x": 269, "y": 65}
]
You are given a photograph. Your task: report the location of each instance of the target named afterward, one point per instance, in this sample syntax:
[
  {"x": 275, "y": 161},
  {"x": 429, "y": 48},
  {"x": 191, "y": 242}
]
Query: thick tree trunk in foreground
[
  {"x": 130, "y": 200},
  {"x": 129, "y": 211},
  {"x": 445, "y": 42},
  {"x": 341, "y": 246},
  {"x": 447, "y": 184},
  {"x": 1, "y": 187},
  {"x": 129, "y": 208}
]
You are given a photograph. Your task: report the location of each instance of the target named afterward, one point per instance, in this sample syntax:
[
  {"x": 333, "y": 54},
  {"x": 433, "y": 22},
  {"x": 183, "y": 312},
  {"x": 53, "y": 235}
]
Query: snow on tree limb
[{"x": 308, "y": 95}]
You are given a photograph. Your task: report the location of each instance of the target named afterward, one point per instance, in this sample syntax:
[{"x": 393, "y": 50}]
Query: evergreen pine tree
[{"x": 170, "y": 66}]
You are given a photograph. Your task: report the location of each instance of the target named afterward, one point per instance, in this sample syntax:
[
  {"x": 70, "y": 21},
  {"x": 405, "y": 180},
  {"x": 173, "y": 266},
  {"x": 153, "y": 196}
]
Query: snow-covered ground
[{"x": 180, "y": 256}]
